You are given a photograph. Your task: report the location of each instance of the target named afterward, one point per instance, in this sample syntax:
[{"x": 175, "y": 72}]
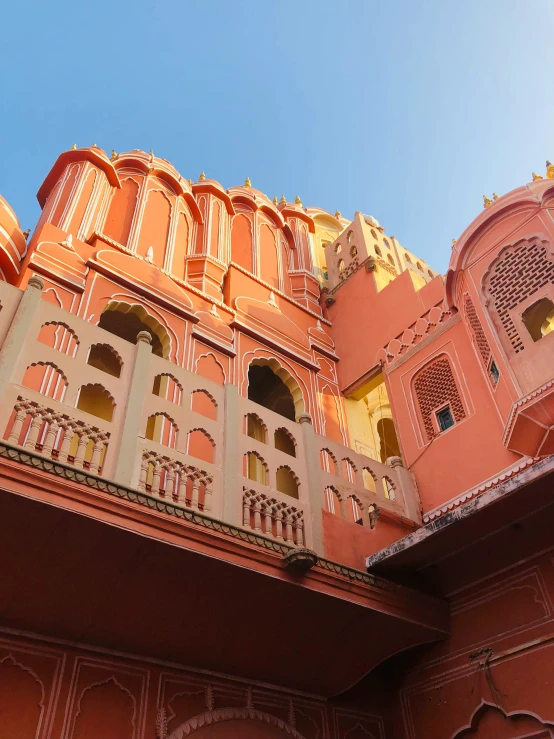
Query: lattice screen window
[
  {"x": 435, "y": 386},
  {"x": 477, "y": 329},
  {"x": 517, "y": 274}
]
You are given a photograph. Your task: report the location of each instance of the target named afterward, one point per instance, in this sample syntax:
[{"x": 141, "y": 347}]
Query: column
[
  {"x": 315, "y": 485},
  {"x": 19, "y": 331},
  {"x": 406, "y": 482},
  {"x": 127, "y": 464},
  {"x": 232, "y": 492}
]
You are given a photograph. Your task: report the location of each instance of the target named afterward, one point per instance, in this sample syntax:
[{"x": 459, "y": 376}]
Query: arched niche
[
  {"x": 21, "y": 699},
  {"x": 154, "y": 228},
  {"x": 241, "y": 241},
  {"x": 126, "y": 320},
  {"x": 269, "y": 260},
  {"x": 273, "y": 387},
  {"x": 122, "y": 211}
]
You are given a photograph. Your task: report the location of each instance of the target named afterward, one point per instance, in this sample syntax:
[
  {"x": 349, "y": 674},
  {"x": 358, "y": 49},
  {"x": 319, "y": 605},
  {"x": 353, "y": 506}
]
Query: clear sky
[{"x": 409, "y": 111}]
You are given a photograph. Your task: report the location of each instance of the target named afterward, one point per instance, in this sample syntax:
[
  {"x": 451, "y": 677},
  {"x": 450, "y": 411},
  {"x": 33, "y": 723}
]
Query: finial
[
  {"x": 26, "y": 233},
  {"x": 283, "y": 200},
  {"x": 149, "y": 255},
  {"x": 94, "y": 146},
  {"x": 549, "y": 170},
  {"x": 454, "y": 242},
  {"x": 190, "y": 182},
  {"x": 73, "y": 147},
  {"x": 338, "y": 214},
  {"x": 114, "y": 155},
  {"x": 247, "y": 182},
  {"x": 495, "y": 196},
  {"x": 275, "y": 202},
  {"x": 202, "y": 176},
  {"x": 486, "y": 201},
  {"x": 297, "y": 200},
  {"x": 535, "y": 176},
  {"x": 152, "y": 153}
]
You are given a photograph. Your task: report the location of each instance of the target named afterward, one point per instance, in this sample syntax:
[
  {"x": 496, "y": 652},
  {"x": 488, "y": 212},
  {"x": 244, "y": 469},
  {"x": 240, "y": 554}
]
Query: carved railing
[
  {"x": 175, "y": 482},
  {"x": 52, "y": 434},
  {"x": 272, "y": 517},
  {"x": 374, "y": 486}
]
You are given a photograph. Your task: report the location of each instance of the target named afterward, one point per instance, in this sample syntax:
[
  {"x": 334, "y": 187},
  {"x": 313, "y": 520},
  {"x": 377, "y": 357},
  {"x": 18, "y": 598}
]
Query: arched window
[
  {"x": 271, "y": 386},
  {"x": 418, "y": 265},
  {"x": 332, "y": 501},
  {"x": 388, "y": 488},
  {"x": 328, "y": 462},
  {"x": 287, "y": 482},
  {"x": 390, "y": 259},
  {"x": 349, "y": 236},
  {"x": 105, "y": 358},
  {"x": 60, "y": 337},
  {"x": 378, "y": 251},
  {"x": 46, "y": 379},
  {"x": 127, "y": 320},
  {"x": 340, "y": 265},
  {"x": 203, "y": 403},
  {"x": 539, "y": 318},
  {"x": 386, "y": 243},
  {"x": 431, "y": 275},
  {"x": 254, "y": 468},
  {"x": 349, "y": 470},
  {"x": 162, "y": 429},
  {"x": 201, "y": 445},
  {"x": 517, "y": 273},
  {"x": 407, "y": 257},
  {"x": 338, "y": 248},
  {"x": 256, "y": 428},
  {"x": 355, "y": 509},
  {"x": 369, "y": 480},
  {"x": 389, "y": 446},
  {"x": 284, "y": 441},
  {"x": 96, "y": 400},
  {"x": 168, "y": 387}
]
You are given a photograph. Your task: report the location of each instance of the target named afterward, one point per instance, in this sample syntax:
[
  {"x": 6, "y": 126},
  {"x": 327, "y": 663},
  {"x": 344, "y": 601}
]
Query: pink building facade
[{"x": 265, "y": 472}]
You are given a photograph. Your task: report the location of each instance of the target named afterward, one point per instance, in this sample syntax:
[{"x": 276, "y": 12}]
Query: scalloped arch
[
  {"x": 286, "y": 377},
  {"x": 229, "y": 714}
]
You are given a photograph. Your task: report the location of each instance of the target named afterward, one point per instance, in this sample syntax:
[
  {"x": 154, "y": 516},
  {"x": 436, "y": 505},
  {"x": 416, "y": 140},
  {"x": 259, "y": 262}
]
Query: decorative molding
[
  {"x": 229, "y": 714},
  {"x": 95, "y": 482}
]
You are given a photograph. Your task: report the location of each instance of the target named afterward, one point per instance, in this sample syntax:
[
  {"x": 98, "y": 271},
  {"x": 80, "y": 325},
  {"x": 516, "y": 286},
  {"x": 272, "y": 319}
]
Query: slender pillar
[
  {"x": 127, "y": 465},
  {"x": 232, "y": 492},
  {"x": 315, "y": 486},
  {"x": 405, "y": 479},
  {"x": 20, "y": 416}
]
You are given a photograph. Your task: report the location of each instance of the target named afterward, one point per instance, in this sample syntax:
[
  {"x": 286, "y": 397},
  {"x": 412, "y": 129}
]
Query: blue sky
[{"x": 408, "y": 111}]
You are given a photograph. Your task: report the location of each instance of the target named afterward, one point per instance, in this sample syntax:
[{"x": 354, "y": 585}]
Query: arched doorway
[
  {"x": 272, "y": 387},
  {"x": 389, "y": 446},
  {"x": 247, "y": 723},
  {"x": 126, "y": 320}
]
